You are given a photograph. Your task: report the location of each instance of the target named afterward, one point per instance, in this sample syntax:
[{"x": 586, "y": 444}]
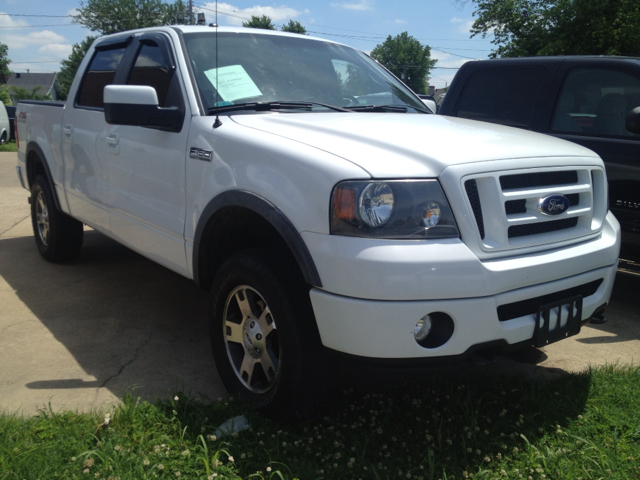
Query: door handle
[
  {"x": 113, "y": 139},
  {"x": 68, "y": 132}
]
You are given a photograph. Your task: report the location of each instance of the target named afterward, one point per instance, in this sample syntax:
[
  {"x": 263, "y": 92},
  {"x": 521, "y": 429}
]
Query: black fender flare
[
  {"x": 272, "y": 214},
  {"x": 34, "y": 147}
]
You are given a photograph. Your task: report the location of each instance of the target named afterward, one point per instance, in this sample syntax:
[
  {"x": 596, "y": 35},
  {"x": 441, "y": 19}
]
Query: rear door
[{"x": 85, "y": 178}]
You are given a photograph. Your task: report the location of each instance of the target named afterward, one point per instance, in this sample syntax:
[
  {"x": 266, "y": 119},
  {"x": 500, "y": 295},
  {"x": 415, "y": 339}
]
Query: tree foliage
[
  {"x": 294, "y": 27},
  {"x": 5, "y": 97},
  {"x": 559, "y": 27},
  {"x": 112, "y": 16},
  {"x": 260, "y": 22},
  {"x": 407, "y": 59},
  {"x": 70, "y": 66},
  {"x": 4, "y": 61},
  {"x": 21, "y": 93}
]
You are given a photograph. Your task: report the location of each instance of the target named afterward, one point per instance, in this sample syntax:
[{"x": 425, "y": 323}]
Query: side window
[
  {"x": 504, "y": 95},
  {"x": 101, "y": 72},
  {"x": 596, "y": 101},
  {"x": 151, "y": 69}
]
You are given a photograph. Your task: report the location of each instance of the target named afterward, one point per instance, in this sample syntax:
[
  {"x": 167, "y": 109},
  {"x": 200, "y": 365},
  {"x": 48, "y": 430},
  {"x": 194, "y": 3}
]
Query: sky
[{"x": 39, "y": 33}]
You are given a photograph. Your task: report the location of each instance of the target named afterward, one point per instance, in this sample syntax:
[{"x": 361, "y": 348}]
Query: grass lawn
[
  {"x": 579, "y": 426},
  {"x": 9, "y": 147}
]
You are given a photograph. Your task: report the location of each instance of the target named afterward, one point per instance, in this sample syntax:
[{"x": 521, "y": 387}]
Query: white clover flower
[
  {"x": 160, "y": 466},
  {"x": 268, "y": 469},
  {"x": 231, "y": 459},
  {"x": 176, "y": 399}
]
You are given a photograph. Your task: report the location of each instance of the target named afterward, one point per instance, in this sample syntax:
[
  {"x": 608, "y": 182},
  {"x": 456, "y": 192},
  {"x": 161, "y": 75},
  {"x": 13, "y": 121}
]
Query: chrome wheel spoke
[
  {"x": 246, "y": 369},
  {"x": 243, "y": 303},
  {"x": 233, "y": 332},
  {"x": 266, "y": 322},
  {"x": 266, "y": 362}
]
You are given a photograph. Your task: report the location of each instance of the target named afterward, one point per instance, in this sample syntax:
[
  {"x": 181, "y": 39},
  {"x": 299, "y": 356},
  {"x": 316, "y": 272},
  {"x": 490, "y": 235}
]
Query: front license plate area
[{"x": 558, "y": 320}]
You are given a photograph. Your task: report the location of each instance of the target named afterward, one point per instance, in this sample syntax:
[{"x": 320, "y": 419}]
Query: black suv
[{"x": 585, "y": 99}]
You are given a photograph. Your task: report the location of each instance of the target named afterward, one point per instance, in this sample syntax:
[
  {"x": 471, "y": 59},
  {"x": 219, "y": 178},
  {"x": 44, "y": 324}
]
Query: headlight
[{"x": 408, "y": 209}]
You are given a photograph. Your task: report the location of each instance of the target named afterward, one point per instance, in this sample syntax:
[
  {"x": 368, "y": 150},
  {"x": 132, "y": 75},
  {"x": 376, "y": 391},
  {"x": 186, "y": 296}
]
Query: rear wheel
[
  {"x": 58, "y": 236},
  {"x": 263, "y": 334}
]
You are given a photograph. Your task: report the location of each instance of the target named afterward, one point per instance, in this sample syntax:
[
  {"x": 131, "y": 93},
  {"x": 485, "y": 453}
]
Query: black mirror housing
[{"x": 632, "y": 123}]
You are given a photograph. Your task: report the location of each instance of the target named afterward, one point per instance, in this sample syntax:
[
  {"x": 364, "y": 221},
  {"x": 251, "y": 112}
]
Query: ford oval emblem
[{"x": 553, "y": 205}]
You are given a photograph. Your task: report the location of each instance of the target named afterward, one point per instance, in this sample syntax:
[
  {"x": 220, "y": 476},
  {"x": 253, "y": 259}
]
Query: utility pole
[{"x": 190, "y": 13}]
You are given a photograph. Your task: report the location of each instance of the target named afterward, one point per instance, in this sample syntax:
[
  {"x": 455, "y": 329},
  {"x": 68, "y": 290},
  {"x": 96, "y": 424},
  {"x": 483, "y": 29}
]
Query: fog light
[{"x": 422, "y": 328}]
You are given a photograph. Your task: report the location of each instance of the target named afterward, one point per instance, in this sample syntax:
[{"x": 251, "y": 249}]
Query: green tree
[
  {"x": 294, "y": 27},
  {"x": 407, "y": 59},
  {"x": 70, "y": 66},
  {"x": 259, "y": 22},
  {"x": 112, "y": 16},
  {"x": 4, "y": 61},
  {"x": 5, "y": 97},
  {"x": 20, "y": 93},
  {"x": 559, "y": 27}
]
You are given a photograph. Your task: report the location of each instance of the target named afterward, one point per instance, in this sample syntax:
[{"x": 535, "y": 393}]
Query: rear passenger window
[
  {"x": 596, "y": 101},
  {"x": 101, "y": 72},
  {"x": 506, "y": 95}
]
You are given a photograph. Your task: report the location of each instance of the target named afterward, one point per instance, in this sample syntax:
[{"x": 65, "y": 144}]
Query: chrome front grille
[{"x": 505, "y": 206}]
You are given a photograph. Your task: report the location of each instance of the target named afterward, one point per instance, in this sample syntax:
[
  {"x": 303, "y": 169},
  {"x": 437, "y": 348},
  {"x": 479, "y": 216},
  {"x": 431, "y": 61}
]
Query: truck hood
[{"x": 392, "y": 145}]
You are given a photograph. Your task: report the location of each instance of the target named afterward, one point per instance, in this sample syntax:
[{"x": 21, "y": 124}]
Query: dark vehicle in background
[
  {"x": 588, "y": 100},
  {"x": 11, "y": 112}
]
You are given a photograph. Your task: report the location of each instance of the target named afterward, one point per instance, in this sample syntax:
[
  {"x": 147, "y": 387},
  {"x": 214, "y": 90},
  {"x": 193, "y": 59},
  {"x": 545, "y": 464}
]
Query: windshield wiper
[
  {"x": 386, "y": 108},
  {"x": 267, "y": 106},
  {"x": 377, "y": 108}
]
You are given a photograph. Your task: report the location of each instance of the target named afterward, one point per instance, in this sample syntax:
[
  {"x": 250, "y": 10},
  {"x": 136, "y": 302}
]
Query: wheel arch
[
  {"x": 237, "y": 220},
  {"x": 36, "y": 165}
]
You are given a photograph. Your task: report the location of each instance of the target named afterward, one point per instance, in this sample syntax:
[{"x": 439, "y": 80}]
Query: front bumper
[{"x": 385, "y": 329}]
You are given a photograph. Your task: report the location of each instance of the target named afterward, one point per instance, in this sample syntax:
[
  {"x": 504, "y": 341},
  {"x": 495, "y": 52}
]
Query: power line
[
  {"x": 40, "y": 26},
  {"x": 26, "y": 15}
]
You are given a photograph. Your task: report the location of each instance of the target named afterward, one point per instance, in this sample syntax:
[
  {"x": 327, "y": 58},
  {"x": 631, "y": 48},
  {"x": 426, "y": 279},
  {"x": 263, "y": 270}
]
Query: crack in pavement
[
  {"x": 122, "y": 368},
  {"x": 14, "y": 225}
]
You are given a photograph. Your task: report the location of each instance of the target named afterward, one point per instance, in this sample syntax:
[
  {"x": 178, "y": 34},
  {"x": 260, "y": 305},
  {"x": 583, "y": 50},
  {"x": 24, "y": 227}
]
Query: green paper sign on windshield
[{"x": 234, "y": 83}]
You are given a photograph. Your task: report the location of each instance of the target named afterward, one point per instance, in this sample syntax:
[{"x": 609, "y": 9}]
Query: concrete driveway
[{"x": 80, "y": 335}]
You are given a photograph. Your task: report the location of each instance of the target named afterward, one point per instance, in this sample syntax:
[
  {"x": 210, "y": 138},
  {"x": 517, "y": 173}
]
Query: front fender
[{"x": 269, "y": 212}]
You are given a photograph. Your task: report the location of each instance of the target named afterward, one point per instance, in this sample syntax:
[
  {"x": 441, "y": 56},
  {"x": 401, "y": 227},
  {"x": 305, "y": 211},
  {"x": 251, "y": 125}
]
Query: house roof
[{"x": 46, "y": 81}]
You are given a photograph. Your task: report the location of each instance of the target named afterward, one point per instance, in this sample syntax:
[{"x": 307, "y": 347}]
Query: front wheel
[
  {"x": 58, "y": 236},
  {"x": 263, "y": 334}
]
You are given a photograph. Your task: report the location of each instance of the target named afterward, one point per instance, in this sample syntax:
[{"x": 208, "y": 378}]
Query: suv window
[
  {"x": 506, "y": 95},
  {"x": 596, "y": 101},
  {"x": 100, "y": 73}
]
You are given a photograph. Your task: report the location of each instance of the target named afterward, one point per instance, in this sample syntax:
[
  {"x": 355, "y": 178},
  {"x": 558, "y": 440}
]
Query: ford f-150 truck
[{"x": 290, "y": 177}]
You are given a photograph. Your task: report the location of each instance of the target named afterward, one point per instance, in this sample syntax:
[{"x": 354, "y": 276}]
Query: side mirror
[
  {"x": 632, "y": 123},
  {"x": 138, "y": 106}
]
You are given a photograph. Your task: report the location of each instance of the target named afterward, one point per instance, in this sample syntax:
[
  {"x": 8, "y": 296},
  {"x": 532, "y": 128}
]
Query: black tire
[
  {"x": 277, "y": 370},
  {"x": 3, "y": 139},
  {"x": 58, "y": 236}
]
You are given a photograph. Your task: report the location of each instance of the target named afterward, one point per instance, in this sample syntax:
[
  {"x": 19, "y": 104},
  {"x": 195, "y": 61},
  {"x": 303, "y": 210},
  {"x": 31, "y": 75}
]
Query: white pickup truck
[{"x": 330, "y": 215}]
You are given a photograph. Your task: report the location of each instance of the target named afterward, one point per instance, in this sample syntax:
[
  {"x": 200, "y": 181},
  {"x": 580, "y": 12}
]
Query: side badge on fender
[{"x": 201, "y": 154}]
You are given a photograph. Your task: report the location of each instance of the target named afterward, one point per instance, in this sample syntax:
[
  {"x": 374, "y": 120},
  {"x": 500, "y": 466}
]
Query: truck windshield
[{"x": 255, "y": 67}]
